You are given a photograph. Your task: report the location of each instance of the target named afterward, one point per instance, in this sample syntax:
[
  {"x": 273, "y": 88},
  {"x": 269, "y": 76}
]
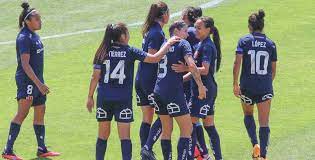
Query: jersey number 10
[
  {"x": 118, "y": 72},
  {"x": 255, "y": 62}
]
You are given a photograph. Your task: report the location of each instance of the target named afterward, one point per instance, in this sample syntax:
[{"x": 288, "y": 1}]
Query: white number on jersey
[
  {"x": 118, "y": 72},
  {"x": 163, "y": 67},
  {"x": 255, "y": 62}
]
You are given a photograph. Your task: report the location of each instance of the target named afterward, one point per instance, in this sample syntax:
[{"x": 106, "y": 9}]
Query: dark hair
[
  {"x": 256, "y": 20},
  {"x": 25, "y": 14},
  {"x": 157, "y": 10},
  {"x": 193, "y": 13},
  {"x": 112, "y": 34},
  {"x": 209, "y": 23},
  {"x": 176, "y": 25}
]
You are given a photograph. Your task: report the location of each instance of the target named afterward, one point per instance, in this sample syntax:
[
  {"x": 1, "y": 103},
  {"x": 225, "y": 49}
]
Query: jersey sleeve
[
  {"x": 155, "y": 41},
  {"x": 186, "y": 48},
  {"x": 207, "y": 54},
  {"x": 138, "y": 54},
  {"x": 274, "y": 56},
  {"x": 240, "y": 47},
  {"x": 24, "y": 44}
]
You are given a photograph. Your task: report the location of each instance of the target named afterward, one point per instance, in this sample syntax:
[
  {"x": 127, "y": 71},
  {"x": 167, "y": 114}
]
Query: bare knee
[
  {"x": 147, "y": 114},
  {"x": 208, "y": 121}
]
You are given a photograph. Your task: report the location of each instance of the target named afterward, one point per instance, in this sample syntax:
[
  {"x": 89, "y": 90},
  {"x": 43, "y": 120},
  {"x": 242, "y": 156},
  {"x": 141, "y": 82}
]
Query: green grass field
[{"x": 72, "y": 130}]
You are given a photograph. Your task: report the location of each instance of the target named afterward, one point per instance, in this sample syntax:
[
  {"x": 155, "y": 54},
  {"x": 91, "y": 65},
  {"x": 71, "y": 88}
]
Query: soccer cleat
[
  {"x": 197, "y": 153},
  {"x": 256, "y": 152},
  {"x": 147, "y": 154},
  {"x": 44, "y": 153},
  {"x": 10, "y": 156}
]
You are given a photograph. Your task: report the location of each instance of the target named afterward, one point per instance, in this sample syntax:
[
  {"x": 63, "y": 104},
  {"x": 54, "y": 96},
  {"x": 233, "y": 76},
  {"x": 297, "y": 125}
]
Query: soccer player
[
  {"x": 153, "y": 38},
  {"x": 208, "y": 59},
  {"x": 169, "y": 94},
  {"x": 190, "y": 16},
  {"x": 113, "y": 74},
  {"x": 31, "y": 88},
  {"x": 258, "y": 55}
]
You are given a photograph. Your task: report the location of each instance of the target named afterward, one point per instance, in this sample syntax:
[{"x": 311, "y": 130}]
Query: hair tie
[{"x": 32, "y": 11}]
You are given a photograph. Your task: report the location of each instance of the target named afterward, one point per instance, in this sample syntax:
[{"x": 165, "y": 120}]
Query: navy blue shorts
[
  {"x": 144, "y": 94},
  {"x": 250, "y": 98},
  {"x": 202, "y": 108},
  {"x": 187, "y": 91},
  {"x": 106, "y": 110},
  {"x": 29, "y": 89},
  {"x": 174, "y": 108}
]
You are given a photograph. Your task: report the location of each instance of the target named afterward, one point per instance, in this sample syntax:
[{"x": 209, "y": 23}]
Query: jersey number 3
[
  {"x": 118, "y": 72},
  {"x": 163, "y": 68},
  {"x": 255, "y": 62}
]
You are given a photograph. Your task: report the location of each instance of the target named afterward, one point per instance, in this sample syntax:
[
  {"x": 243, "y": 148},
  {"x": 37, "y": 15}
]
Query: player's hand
[
  {"x": 202, "y": 92},
  {"x": 173, "y": 40},
  {"x": 237, "y": 91},
  {"x": 90, "y": 104},
  {"x": 44, "y": 89},
  {"x": 180, "y": 68}
]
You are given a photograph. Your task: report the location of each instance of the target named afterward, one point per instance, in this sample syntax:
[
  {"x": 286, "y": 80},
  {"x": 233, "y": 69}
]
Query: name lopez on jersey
[
  {"x": 121, "y": 54},
  {"x": 258, "y": 44}
]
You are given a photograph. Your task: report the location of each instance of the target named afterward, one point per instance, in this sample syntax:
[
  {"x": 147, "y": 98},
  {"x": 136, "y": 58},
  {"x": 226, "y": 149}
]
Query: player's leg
[
  {"x": 103, "y": 135},
  {"x": 126, "y": 144},
  {"x": 167, "y": 129},
  {"x": 185, "y": 125},
  {"x": 193, "y": 141},
  {"x": 264, "y": 130},
  {"x": 201, "y": 142},
  {"x": 23, "y": 110},
  {"x": 215, "y": 143}
]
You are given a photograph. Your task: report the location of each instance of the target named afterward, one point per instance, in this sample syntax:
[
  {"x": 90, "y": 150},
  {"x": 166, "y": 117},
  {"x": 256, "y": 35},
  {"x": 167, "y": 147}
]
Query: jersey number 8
[
  {"x": 118, "y": 72},
  {"x": 255, "y": 62}
]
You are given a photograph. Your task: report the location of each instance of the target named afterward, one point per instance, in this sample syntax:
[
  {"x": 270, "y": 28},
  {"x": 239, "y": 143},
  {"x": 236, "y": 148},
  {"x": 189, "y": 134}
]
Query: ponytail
[
  {"x": 113, "y": 33},
  {"x": 256, "y": 20},
  {"x": 157, "y": 10},
  {"x": 192, "y": 13},
  {"x": 209, "y": 23}
]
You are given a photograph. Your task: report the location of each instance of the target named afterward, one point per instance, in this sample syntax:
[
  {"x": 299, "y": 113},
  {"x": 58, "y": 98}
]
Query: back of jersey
[{"x": 258, "y": 54}]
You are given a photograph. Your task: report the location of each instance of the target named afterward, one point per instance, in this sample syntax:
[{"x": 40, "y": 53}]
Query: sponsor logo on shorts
[
  {"x": 204, "y": 110},
  {"x": 152, "y": 102},
  {"x": 246, "y": 99},
  {"x": 125, "y": 114},
  {"x": 267, "y": 96},
  {"x": 173, "y": 108},
  {"x": 101, "y": 113}
]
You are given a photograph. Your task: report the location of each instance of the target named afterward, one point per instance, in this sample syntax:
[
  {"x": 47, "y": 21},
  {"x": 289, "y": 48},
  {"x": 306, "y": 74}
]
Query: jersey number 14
[
  {"x": 118, "y": 72},
  {"x": 255, "y": 62}
]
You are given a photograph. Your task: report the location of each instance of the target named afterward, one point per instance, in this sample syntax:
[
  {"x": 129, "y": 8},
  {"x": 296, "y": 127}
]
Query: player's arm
[
  {"x": 274, "y": 69},
  {"x": 196, "y": 75},
  {"x": 93, "y": 84},
  {"x": 25, "y": 59},
  {"x": 155, "y": 58},
  {"x": 236, "y": 72}
]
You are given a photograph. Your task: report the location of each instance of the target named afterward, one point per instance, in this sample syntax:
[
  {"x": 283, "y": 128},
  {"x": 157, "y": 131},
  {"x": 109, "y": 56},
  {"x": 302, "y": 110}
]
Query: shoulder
[
  {"x": 271, "y": 42},
  {"x": 183, "y": 42},
  {"x": 246, "y": 38},
  {"x": 22, "y": 36}
]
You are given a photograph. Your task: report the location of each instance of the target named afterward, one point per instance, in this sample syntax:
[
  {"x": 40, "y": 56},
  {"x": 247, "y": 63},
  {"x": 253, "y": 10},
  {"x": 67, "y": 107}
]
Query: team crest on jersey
[
  {"x": 204, "y": 110},
  {"x": 173, "y": 108},
  {"x": 246, "y": 99},
  {"x": 101, "y": 113},
  {"x": 267, "y": 96},
  {"x": 125, "y": 114}
]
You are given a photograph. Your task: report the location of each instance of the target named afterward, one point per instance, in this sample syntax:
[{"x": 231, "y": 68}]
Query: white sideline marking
[{"x": 210, "y": 4}]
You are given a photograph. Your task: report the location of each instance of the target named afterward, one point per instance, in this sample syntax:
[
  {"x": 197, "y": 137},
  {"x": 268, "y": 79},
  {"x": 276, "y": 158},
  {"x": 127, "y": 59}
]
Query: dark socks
[
  {"x": 201, "y": 139},
  {"x": 264, "y": 133},
  {"x": 182, "y": 148},
  {"x": 166, "y": 149},
  {"x": 101, "y": 145},
  {"x": 13, "y": 134},
  {"x": 126, "y": 149},
  {"x": 192, "y": 144},
  {"x": 144, "y": 133},
  {"x": 154, "y": 134},
  {"x": 251, "y": 128},
  {"x": 214, "y": 141},
  {"x": 40, "y": 135}
]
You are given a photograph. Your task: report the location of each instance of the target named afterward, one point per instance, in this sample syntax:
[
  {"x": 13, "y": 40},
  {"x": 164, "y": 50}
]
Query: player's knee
[
  {"x": 208, "y": 121},
  {"x": 148, "y": 115},
  {"x": 264, "y": 122},
  {"x": 248, "y": 112},
  {"x": 186, "y": 129},
  {"x": 20, "y": 116}
]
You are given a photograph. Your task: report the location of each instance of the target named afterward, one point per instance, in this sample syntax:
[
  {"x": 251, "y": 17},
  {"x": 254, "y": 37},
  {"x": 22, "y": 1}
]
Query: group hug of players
[{"x": 175, "y": 80}]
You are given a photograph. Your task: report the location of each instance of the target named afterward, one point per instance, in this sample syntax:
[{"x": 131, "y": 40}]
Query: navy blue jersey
[
  {"x": 206, "y": 53},
  {"x": 29, "y": 42},
  {"x": 154, "y": 39},
  {"x": 169, "y": 83},
  {"x": 116, "y": 80},
  {"x": 192, "y": 39},
  {"x": 258, "y": 52}
]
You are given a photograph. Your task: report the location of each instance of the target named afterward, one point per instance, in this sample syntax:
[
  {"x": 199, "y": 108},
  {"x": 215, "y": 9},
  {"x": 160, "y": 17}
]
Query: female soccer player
[
  {"x": 258, "y": 55},
  {"x": 169, "y": 94},
  {"x": 190, "y": 16},
  {"x": 113, "y": 73},
  {"x": 31, "y": 89},
  {"x": 208, "y": 57},
  {"x": 153, "y": 38}
]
